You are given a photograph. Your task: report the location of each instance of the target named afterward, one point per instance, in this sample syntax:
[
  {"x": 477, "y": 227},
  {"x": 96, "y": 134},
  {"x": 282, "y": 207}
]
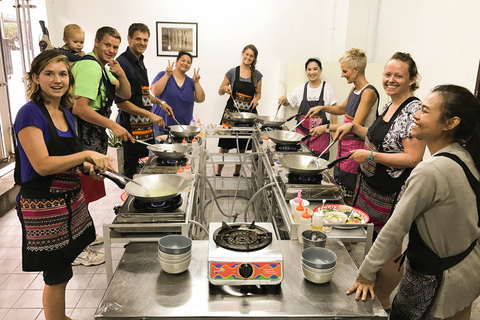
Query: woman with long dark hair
[{"x": 440, "y": 212}]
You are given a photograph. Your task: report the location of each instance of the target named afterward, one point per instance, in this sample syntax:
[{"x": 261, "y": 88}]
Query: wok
[
  {"x": 174, "y": 151},
  {"x": 189, "y": 132},
  {"x": 153, "y": 187},
  {"x": 272, "y": 121},
  {"x": 285, "y": 137},
  {"x": 244, "y": 117},
  {"x": 307, "y": 165}
]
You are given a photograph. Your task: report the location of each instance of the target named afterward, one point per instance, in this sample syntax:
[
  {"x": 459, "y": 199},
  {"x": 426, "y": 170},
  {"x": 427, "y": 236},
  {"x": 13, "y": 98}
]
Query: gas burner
[
  {"x": 170, "y": 162},
  {"x": 299, "y": 179},
  {"x": 282, "y": 147},
  {"x": 242, "y": 237},
  {"x": 243, "y": 125},
  {"x": 162, "y": 206},
  {"x": 264, "y": 128}
]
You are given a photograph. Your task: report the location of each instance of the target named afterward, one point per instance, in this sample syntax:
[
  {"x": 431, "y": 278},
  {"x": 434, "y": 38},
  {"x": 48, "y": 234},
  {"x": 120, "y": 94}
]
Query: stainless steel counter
[{"x": 141, "y": 290}]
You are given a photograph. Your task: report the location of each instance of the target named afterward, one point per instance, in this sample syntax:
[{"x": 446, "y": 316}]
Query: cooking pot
[
  {"x": 307, "y": 165},
  {"x": 243, "y": 117},
  {"x": 153, "y": 187},
  {"x": 187, "y": 132},
  {"x": 285, "y": 137},
  {"x": 273, "y": 121},
  {"x": 174, "y": 151}
]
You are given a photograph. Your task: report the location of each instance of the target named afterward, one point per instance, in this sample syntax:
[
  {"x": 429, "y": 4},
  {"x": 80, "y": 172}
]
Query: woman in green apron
[
  {"x": 440, "y": 212},
  {"x": 56, "y": 225}
]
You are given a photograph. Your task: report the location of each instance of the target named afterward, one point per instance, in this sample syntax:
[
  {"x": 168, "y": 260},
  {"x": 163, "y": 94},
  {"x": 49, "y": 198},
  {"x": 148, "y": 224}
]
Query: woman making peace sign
[{"x": 179, "y": 92}]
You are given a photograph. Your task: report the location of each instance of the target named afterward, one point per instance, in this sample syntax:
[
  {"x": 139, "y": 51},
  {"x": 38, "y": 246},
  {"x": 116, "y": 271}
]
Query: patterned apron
[
  {"x": 319, "y": 143},
  {"x": 56, "y": 225}
]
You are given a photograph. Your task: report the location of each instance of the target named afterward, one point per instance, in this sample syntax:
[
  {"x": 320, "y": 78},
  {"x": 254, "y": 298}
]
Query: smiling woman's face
[
  {"x": 53, "y": 81},
  {"x": 313, "y": 71},
  {"x": 396, "y": 78},
  {"x": 429, "y": 124}
]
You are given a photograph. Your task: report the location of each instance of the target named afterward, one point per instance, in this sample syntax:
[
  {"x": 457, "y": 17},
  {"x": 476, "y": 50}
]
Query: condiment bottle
[
  {"x": 265, "y": 143},
  {"x": 317, "y": 221},
  {"x": 298, "y": 199},
  {"x": 304, "y": 224},
  {"x": 193, "y": 122},
  {"x": 298, "y": 213},
  {"x": 180, "y": 172},
  {"x": 184, "y": 141},
  {"x": 188, "y": 172}
]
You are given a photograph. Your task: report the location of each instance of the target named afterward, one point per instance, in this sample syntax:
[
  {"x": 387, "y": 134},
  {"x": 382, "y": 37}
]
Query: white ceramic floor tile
[
  {"x": 30, "y": 299},
  {"x": 3, "y": 277},
  {"x": 37, "y": 283},
  {"x": 83, "y": 314},
  {"x": 9, "y": 297},
  {"x": 3, "y": 313},
  {"x": 90, "y": 299},
  {"x": 23, "y": 314},
  {"x": 475, "y": 314},
  {"x": 12, "y": 253},
  {"x": 15, "y": 230},
  {"x": 8, "y": 241},
  {"x": 41, "y": 316},
  {"x": 98, "y": 282},
  {"x": 79, "y": 281},
  {"x": 72, "y": 298},
  {"x": 9, "y": 265},
  {"x": 83, "y": 269},
  {"x": 18, "y": 281}
]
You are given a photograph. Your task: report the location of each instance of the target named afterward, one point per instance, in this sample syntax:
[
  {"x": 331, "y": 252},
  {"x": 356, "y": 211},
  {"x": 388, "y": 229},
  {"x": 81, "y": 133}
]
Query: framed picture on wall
[{"x": 173, "y": 37}]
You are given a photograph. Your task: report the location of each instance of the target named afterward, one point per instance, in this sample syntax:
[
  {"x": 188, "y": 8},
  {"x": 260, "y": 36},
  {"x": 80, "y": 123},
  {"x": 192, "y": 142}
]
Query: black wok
[
  {"x": 273, "y": 121},
  {"x": 307, "y": 165},
  {"x": 189, "y": 132},
  {"x": 153, "y": 187},
  {"x": 285, "y": 137},
  {"x": 174, "y": 151},
  {"x": 243, "y": 117}
]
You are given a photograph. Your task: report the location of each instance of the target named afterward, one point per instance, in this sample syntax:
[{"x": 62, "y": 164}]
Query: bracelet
[
  {"x": 162, "y": 103},
  {"x": 370, "y": 156}
]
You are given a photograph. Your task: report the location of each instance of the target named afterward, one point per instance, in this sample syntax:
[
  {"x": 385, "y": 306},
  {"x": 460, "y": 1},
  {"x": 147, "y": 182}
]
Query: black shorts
[{"x": 57, "y": 276}]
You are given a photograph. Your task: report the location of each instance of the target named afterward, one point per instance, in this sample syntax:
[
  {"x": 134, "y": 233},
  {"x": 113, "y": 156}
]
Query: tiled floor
[{"x": 21, "y": 292}]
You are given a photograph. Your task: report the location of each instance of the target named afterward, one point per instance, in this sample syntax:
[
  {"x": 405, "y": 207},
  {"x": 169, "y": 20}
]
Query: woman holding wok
[
  {"x": 440, "y": 212},
  {"x": 244, "y": 86},
  {"x": 315, "y": 92}
]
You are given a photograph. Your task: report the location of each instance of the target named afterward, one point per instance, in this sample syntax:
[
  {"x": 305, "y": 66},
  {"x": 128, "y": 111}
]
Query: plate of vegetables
[{"x": 357, "y": 217}]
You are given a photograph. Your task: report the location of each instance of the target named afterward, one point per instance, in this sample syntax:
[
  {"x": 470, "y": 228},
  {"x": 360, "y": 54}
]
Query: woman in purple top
[
  {"x": 178, "y": 90},
  {"x": 56, "y": 224}
]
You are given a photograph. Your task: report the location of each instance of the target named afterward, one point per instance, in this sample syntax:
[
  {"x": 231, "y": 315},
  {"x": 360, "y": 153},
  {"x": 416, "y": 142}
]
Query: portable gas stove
[
  {"x": 242, "y": 129},
  {"x": 244, "y": 254},
  {"x": 317, "y": 187},
  {"x": 155, "y": 164}
]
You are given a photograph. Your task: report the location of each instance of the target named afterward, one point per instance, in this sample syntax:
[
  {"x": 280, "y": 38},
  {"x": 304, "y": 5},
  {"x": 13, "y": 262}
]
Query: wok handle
[
  {"x": 306, "y": 137},
  {"x": 334, "y": 162},
  {"x": 295, "y": 115},
  {"x": 111, "y": 176}
]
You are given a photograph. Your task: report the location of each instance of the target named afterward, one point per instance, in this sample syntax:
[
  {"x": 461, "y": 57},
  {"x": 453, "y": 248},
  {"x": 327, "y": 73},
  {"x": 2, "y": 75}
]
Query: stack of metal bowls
[
  {"x": 318, "y": 264},
  {"x": 174, "y": 253},
  {"x": 313, "y": 238}
]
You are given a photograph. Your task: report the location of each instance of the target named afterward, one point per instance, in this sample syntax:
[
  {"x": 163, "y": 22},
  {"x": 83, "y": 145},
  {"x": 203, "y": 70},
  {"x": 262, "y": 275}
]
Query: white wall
[
  {"x": 282, "y": 30},
  {"x": 442, "y": 36}
]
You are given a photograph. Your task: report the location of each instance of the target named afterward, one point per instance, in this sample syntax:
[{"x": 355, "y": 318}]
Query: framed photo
[{"x": 173, "y": 37}]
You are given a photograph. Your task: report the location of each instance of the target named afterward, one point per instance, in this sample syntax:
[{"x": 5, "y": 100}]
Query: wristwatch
[
  {"x": 328, "y": 128},
  {"x": 370, "y": 156}
]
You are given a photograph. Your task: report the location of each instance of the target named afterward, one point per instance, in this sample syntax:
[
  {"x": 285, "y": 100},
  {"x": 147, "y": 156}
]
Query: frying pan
[
  {"x": 244, "y": 117},
  {"x": 285, "y": 137},
  {"x": 187, "y": 132},
  {"x": 307, "y": 165},
  {"x": 174, "y": 151},
  {"x": 153, "y": 187},
  {"x": 272, "y": 121}
]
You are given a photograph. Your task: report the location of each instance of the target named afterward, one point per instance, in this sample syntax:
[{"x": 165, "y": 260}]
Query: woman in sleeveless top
[
  {"x": 315, "y": 92},
  {"x": 391, "y": 155},
  {"x": 360, "y": 107},
  {"x": 56, "y": 224},
  {"x": 244, "y": 84},
  {"x": 440, "y": 212}
]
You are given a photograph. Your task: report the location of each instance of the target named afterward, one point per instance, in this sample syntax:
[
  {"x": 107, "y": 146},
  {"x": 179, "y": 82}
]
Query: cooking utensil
[
  {"x": 303, "y": 165},
  {"x": 187, "y": 131},
  {"x": 285, "y": 137},
  {"x": 244, "y": 117},
  {"x": 292, "y": 130},
  {"x": 274, "y": 122},
  {"x": 181, "y": 126},
  {"x": 153, "y": 187},
  {"x": 349, "y": 215},
  {"x": 326, "y": 149},
  {"x": 234, "y": 102},
  {"x": 276, "y": 113}
]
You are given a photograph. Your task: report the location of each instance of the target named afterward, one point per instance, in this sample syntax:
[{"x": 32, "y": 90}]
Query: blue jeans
[{"x": 158, "y": 132}]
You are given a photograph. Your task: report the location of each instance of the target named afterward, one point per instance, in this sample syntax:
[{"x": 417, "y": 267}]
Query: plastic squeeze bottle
[
  {"x": 184, "y": 141},
  {"x": 298, "y": 213},
  {"x": 317, "y": 221},
  {"x": 187, "y": 172},
  {"x": 304, "y": 225},
  {"x": 193, "y": 122},
  {"x": 265, "y": 143},
  {"x": 180, "y": 172}
]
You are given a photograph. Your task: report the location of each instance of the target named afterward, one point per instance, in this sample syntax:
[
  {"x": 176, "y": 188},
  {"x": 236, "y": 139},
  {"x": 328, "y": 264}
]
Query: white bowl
[
  {"x": 211, "y": 131},
  {"x": 173, "y": 261},
  {"x": 317, "y": 277},
  {"x": 174, "y": 257},
  {"x": 174, "y": 268},
  {"x": 335, "y": 217}
]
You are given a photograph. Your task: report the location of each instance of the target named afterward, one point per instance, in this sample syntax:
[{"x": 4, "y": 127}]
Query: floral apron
[
  {"x": 319, "y": 143},
  {"x": 56, "y": 225}
]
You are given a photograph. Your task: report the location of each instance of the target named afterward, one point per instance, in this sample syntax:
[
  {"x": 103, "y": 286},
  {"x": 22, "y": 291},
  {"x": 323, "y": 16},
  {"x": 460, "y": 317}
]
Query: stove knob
[{"x": 246, "y": 270}]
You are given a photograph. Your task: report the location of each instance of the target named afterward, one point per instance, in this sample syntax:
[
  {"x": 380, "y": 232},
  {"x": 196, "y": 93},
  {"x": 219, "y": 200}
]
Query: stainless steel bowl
[
  {"x": 313, "y": 238},
  {"x": 319, "y": 258},
  {"x": 174, "y": 244}
]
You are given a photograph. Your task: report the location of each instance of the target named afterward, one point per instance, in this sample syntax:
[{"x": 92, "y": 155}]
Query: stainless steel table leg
[{"x": 107, "y": 244}]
